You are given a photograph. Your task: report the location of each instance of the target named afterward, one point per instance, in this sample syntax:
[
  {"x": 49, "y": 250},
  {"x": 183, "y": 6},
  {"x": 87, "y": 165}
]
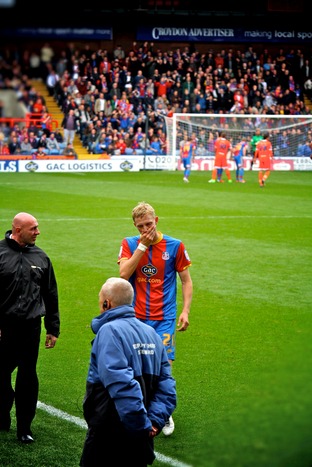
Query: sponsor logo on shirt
[{"x": 149, "y": 270}]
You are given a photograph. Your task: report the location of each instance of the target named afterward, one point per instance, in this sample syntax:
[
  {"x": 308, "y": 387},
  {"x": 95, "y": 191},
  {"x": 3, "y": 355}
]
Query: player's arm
[
  {"x": 181, "y": 151},
  {"x": 193, "y": 152},
  {"x": 187, "y": 294},
  {"x": 128, "y": 266},
  {"x": 127, "y": 263}
]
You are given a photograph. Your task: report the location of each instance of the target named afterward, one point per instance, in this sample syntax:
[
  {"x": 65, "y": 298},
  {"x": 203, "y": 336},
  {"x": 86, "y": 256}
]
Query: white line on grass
[
  {"x": 114, "y": 219},
  {"x": 96, "y": 219},
  {"x": 82, "y": 424},
  {"x": 60, "y": 414}
]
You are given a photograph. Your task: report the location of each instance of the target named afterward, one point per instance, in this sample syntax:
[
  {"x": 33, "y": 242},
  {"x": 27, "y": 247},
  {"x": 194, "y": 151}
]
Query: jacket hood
[
  {"x": 14, "y": 245},
  {"x": 124, "y": 311}
]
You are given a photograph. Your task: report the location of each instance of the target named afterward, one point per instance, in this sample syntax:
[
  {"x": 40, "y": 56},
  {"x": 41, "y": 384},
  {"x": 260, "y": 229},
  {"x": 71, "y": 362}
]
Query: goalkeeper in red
[
  {"x": 264, "y": 153},
  {"x": 151, "y": 262}
]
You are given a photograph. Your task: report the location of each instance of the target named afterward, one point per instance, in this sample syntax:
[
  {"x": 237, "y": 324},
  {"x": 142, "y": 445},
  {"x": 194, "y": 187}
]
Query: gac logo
[{"x": 149, "y": 270}]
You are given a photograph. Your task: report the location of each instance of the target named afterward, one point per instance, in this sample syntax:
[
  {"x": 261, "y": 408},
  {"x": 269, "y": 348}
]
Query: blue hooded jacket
[{"x": 129, "y": 378}]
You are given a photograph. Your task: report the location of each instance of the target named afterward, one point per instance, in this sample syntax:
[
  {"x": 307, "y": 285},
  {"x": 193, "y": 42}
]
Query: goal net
[{"x": 291, "y": 135}]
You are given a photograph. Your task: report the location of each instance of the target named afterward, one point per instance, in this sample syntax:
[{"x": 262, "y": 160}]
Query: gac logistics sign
[
  {"x": 215, "y": 34},
  {"x": 115, "y": 164},
  {"x": 62, "y": 166}
]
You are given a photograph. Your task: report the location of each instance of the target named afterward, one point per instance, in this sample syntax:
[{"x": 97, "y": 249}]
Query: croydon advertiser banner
[{"x": 219, "y": 34}]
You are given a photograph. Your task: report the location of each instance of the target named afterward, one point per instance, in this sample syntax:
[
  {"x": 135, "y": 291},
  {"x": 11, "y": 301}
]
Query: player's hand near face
[
  {"x": 149, "y": 235},
  {"x": 148, "y": 230}
]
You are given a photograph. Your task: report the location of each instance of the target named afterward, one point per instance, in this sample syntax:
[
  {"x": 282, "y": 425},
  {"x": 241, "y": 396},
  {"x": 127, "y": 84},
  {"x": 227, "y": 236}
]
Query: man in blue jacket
[{"x": 130, "y": 392}]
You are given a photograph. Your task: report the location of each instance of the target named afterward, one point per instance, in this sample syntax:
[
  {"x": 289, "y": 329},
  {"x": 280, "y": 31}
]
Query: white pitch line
[
  {"x": 60, "y": 414},
  {"x": 96, "y": 219},
  {"x": 82, "y": 424}
]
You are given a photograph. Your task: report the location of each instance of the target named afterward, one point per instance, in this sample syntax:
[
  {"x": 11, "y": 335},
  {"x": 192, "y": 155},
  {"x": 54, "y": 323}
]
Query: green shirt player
[{"x": 253, "y": 143}]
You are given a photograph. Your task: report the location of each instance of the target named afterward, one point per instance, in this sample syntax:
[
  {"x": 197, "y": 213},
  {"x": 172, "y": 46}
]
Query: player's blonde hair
[{"x": 141, "y": 209}]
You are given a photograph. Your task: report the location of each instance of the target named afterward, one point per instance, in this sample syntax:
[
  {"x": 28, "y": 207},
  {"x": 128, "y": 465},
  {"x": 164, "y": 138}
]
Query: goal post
[{"x": 291, "y": 135}]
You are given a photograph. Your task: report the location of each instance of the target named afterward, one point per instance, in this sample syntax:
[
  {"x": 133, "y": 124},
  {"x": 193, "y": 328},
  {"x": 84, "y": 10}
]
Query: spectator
[
  {"x": 120, "y": 146},
  {"x": 42, "y": 142},
  {"x": 119, "y": 53},
  {"x": 155, "y": 146},
  {"x": 4, "y": 149},
  {"x": 305, "y": 150},
  {"x": 100, "y": 104},
  {"x": 34, "y": 65},
  {"x": 162, "y": 87},
  {"x": 14, "y": 146},
  {"x": 26, "y": 147},
  {"x": 40, "y": 153},
  {"x": 51, "y": 81},
  {"x": 46, "y": 123},
  {"x": 53, "y": 146},
  {"x": 201, "y": 151},
  {"x": 33, "y": 139},
  {"x": 70, "y": 151},
  {"x": 69, "y": 124},
  {"x": 59, "y": 138}
]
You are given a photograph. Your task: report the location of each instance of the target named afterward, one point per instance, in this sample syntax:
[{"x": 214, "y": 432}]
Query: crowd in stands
[{"x": 116, "y": 100}]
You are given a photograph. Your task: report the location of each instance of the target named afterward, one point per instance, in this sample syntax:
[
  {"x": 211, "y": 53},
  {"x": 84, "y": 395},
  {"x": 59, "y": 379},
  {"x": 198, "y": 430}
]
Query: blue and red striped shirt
[{"x": 155, "y": 278}]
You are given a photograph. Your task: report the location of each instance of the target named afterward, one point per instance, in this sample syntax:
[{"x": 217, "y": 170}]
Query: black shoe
[{"x": 26, "y": 439}]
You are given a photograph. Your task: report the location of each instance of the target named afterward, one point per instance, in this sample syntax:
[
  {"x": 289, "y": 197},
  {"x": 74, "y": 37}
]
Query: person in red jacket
[{"x": 163, "y": 86}]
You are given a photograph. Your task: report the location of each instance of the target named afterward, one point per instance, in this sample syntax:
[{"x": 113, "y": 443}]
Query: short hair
[
  {"x": 141, "y": 209},
  {"x": 119, "y": 290}
]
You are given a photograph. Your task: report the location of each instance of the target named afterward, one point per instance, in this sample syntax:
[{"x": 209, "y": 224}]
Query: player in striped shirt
[
  {"x": 151, "y": 261},
  {"x": 187, "y": 152},
  {"x": 239, "y": 152}
]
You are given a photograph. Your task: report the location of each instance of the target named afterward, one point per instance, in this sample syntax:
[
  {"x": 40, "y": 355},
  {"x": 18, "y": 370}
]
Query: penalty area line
[{"x": 82, "y": 424}]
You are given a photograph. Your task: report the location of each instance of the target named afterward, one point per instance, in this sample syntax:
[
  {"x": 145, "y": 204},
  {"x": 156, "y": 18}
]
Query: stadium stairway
[
  {"x": 307, "y": 101},
  {"x": 58, "y": 116}
]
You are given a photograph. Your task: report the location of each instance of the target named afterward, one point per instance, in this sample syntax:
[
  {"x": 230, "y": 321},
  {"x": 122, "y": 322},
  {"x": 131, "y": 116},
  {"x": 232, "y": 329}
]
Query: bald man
[{"x": 28, "y": 292}]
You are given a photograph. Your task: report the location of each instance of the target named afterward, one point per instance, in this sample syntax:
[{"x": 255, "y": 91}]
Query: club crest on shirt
[
  {"x": 149, "y": 270},
  {"x": 165, "y": 255}
]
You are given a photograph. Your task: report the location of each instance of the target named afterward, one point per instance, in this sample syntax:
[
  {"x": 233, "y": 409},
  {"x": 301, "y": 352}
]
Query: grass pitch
[{"x": 243, "y": 368}]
